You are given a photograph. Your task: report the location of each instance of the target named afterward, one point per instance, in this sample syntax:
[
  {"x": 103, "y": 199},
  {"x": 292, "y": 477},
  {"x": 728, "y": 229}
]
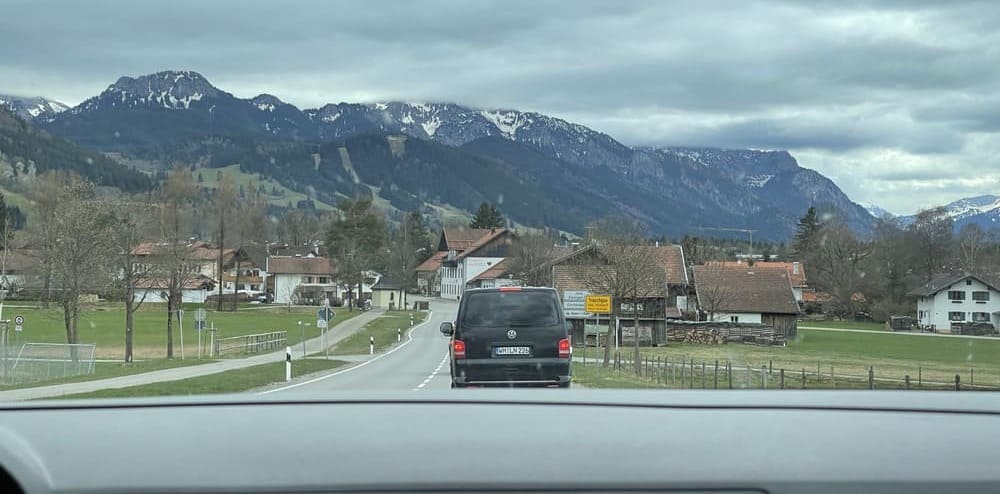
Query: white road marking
[
  {"x": 409, "y": 338},
  {"x": 433, "y": 374}
]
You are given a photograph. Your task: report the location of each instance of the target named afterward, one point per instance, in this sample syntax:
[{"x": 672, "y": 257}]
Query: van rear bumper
[{"x": 511, "y": 371}]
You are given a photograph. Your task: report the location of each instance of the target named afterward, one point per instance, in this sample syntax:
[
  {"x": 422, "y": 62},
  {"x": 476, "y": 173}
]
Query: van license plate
[{"x": 512, "y": 351}]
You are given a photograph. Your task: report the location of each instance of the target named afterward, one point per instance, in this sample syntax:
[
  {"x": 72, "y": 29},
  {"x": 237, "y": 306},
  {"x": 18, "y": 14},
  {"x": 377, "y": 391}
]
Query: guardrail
[{"x": 251, "y": 343}]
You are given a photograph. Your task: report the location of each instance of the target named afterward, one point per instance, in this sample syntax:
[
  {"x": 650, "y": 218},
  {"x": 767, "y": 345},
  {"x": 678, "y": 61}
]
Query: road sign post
[
  {"x": 19, "y": 323},
  {"x": 600, "y": 304}
]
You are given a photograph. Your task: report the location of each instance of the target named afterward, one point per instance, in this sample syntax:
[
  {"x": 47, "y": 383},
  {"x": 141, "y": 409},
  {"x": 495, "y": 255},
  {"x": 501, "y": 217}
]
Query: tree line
[{"x": 875, "y": 274}]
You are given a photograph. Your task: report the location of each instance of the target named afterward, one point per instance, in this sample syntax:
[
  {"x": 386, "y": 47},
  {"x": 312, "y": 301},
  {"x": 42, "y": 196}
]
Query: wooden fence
[{"x": 687, "y": 373}]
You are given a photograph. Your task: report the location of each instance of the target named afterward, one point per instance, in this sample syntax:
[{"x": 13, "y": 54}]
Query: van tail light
[
  {"x": 564, "y": 348},
  {"x": 510, "y": 289},
  {"x": 458, "y": 349}
]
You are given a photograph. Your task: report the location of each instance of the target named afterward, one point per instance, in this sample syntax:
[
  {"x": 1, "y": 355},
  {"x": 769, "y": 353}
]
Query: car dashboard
[{"x": 508, "y": 441}]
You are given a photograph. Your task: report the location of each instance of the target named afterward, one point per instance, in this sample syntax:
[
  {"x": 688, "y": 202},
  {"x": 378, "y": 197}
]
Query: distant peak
[
  {"x": 267, "y": 99},
  {"x": 175, "y": 89}
]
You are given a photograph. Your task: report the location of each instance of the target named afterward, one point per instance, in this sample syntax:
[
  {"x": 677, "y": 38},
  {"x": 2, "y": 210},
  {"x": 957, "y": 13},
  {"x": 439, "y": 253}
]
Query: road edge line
[{"x": 409, "y": 338}]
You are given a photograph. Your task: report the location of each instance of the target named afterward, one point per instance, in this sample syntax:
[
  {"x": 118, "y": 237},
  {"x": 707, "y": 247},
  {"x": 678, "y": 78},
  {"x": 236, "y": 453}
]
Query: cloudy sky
[{"x": 898, "y": 102}]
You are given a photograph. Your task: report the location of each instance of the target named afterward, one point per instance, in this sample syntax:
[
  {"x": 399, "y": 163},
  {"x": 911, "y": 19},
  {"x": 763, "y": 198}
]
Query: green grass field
[
  {"x": 104, "y": 325},
  {"x": 383, "y": 329},
  {"x": 849, "y": 354},
  {"x": 870, "y": 326},
  {"x": 233, "y": 381},
  {"x": 105, "y": 370}
]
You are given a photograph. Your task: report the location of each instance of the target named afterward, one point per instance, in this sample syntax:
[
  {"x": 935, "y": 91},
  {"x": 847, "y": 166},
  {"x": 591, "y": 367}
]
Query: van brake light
[{"x": 564, "y": 348}]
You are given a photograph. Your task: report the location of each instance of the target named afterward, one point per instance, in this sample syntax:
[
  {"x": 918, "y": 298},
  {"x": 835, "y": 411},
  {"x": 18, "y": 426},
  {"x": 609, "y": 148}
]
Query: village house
[
  {"x": 388, "y": 293},
  {"x": 951, "y": 300},
  {"x": 195, "y": 290},
  {"x": 468, "y": 253},
  {"x": 796, "y": 275},
  {"x": 575, "y": 275},
  {"x": 301, "y": 280},
  {"x": 747, "y": 294}
]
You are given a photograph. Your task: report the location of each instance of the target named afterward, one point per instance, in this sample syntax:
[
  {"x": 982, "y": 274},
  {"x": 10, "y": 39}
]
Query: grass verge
[
  {"x": 853, "y": 325},
  {"x": 232, "y": 381},
  {"x": 104, "y": 325},
  {"x": 105, "y": 370},
  {"x": 845, "y": 355},
  {"x": 384, "y": 329}
]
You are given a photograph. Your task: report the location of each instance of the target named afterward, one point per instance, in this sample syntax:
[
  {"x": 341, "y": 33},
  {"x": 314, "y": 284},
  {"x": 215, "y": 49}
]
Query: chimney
[
  {"x": 795, "y": 267},
  {"x": 657, "y": 243}
]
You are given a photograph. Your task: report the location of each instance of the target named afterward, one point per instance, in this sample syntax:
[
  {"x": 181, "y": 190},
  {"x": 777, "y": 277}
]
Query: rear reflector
[
  {"x": 458, "y": 349},
  {"x": 510, "y": 289},
  {"x": 563, "y": 348}
]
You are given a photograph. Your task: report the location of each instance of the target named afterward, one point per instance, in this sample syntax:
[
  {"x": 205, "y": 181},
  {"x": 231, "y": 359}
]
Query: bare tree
[
  {"x": 841, "y": 266},
  {"x": 45, "y": 194},
  {"x": 630, "y": 273},
  {"x": 530, "y": 253},
  {"x": 972, "y": 247},
  {"x": 177, "y": 193},
  {"x": 82, "y": 229},
  {"x": 133, "y": 220},
  {"x": 932, "y": 233}
]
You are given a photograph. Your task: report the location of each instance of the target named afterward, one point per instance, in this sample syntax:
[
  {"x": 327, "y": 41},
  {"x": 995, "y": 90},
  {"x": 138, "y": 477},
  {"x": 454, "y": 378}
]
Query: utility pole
[{"x": 741, "y": 230}]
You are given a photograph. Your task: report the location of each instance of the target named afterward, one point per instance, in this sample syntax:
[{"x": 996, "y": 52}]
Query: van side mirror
[{"x": 447, "y": 328}]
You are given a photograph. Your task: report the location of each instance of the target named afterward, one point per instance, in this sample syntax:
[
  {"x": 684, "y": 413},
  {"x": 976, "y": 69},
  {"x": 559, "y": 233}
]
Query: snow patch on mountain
[
  {"x": 758, "y": 181},
  {"x": 507, "y": 122}
]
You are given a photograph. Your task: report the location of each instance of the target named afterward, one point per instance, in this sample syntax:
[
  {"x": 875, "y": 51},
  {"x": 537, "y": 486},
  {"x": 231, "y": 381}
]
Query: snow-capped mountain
[
  {"x": 981, "y": 210},
  {"x": 169, "y": 115},
  {"x": 876, "y": 211},
  {"x": 36, "y": 108}
]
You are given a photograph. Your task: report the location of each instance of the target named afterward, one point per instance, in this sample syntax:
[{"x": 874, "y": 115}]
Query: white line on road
[
  {"x": 435, "y": 373},
  {"x": 409, "y": 338}
]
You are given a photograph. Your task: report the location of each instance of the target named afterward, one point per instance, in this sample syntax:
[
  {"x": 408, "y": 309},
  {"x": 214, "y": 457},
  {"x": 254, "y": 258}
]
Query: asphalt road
[{"x": 420, "y": 363}]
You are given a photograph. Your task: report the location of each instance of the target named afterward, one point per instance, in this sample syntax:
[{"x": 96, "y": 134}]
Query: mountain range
[
  {"x": 983, "y": 211},
  {"x": 32, "y": 108},
  {"x": 541, "y": 169}
]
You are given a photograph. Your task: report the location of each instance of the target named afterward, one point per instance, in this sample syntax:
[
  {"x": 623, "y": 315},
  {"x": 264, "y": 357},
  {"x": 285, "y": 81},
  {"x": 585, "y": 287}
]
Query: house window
[
  {"x": 920, "y": 314},
  {"x": 734, "y": 318},
  {"x": 956, "y": 316},
  {"x": 323, "y": 280},
  {"x": 956, "y": 295},
  {"x": 980, "y": 317},
  {"x": 968, "y": 282},
  {"x": 981, "y": 297}
]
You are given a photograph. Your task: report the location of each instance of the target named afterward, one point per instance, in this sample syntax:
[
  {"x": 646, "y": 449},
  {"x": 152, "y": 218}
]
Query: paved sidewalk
[{"x": 337, "y": 333}]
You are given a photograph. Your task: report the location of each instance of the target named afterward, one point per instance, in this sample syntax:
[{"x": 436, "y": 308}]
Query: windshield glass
[
  {"x": 510, "y": 309},
  {"x": 715, "y": 195}
]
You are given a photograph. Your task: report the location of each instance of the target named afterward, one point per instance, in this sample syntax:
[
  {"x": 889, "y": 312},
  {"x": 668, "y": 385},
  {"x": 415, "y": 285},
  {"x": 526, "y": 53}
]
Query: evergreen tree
[
  {"x": 487, "y": 216},
  {"x": 201, "y": 179},
  {"x": 806, "y": 233}
]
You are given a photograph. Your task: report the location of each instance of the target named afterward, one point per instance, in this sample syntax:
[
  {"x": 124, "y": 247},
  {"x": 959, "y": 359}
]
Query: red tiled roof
[
  {"x": 671, "y": 257},
  {"x": 481, "y": 241},
  {"x": 746, "y": 289},
  {"x": 433, "y": 262},
  {"x": 301, "y": 265},
  {"x": 796, "y": 276},
  {"x": 459, "y": 239},
  {"x": 496, "y": 271}
]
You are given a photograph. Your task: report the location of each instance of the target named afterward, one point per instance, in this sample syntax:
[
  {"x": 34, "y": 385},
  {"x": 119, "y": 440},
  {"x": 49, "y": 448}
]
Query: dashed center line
[{"x": 436, "y": 371}]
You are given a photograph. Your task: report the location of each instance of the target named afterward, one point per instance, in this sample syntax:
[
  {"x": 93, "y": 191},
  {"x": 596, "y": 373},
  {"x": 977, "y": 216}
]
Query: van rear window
[{"x": 525, "y": 308}]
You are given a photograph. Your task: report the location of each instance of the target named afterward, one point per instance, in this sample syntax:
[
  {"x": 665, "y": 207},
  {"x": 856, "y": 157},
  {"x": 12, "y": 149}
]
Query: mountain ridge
[{"x": 150, "y": 116}]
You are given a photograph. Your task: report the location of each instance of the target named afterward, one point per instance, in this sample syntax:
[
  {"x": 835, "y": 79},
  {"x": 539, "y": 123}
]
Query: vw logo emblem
[{"x": 511, "y": 334}]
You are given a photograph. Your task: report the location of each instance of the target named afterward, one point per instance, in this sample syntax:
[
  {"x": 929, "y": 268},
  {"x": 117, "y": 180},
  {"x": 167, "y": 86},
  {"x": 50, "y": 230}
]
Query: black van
[{"x": 510, "y": 336}]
